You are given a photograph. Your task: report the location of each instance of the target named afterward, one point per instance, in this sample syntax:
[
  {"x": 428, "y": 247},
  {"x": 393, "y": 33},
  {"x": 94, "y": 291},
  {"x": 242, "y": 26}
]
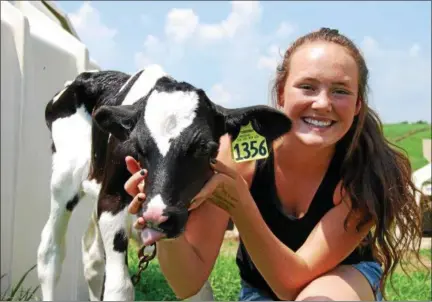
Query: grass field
[
  {"x": 416, "y": 286},
  {"x": 413, "y": 144}
]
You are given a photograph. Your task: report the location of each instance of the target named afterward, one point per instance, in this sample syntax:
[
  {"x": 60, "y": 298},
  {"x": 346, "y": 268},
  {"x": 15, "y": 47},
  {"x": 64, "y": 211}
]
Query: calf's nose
[{"x": 154, "y": 211}]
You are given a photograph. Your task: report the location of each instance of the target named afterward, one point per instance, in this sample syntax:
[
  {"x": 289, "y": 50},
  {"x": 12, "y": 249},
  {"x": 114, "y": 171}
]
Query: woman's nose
[{"x": 322, "y": 102}]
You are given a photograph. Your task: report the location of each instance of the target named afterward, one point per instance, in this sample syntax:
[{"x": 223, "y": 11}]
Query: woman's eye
[
  {"x": 305, "y": 86},
  {"x": 341, "y": 91}
]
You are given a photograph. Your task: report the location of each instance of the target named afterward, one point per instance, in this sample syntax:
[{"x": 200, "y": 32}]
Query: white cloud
[
  {"x": 211, "y": 32},
  {"x": 267, "y": 62},
  {"x": 152, "y": 43},
  {"x": 220, "y": 95},
  {"x": 242, "y": 16},
  {"x": 369, "y": 45},
  {"x": 271, "y": 59},
  {"x": 184, "y": 24},
  {"x": 157, "y": 51},
  {"x": 399, "y": 80},
  {"x": 99, "y": 37},
  {"x": 141, "y": 60},
  {"x": 241, "y": 50},
  {"x": 181, "y": 24},
  {"x": 152, "y": 47},
  {"x": 285, "y": 30},
  {"x": 236, "y": 48}
]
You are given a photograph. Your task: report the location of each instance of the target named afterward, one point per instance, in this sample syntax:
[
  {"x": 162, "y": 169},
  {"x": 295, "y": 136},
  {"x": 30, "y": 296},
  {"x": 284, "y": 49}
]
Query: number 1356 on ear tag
[{"x": 249, "y": 145}]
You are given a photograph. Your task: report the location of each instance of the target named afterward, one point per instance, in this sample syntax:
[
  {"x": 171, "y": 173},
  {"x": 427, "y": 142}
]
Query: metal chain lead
[{"x": 143, "y": 262}]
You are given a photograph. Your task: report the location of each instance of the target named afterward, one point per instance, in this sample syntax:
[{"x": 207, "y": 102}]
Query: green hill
[{"x": 410, "y": 138}]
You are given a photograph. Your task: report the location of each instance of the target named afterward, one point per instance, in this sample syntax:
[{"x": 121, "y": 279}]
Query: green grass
[
  {"x": 394, "y": 131},
  {"x": 225, "y": 281},
  {"x": 413, "y": 286},
  {"x": 412, "y": 145},
  {"x": 426, "y": 253},
  {"x": 20, "y": 291},
  {"x": 152, "y": 285}
]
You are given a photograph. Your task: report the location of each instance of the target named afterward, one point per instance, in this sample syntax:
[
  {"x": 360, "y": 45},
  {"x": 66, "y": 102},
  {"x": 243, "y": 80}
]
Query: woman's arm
[
  {"x": 187, "y": 261},
  {"x": 286, "y": 271}
]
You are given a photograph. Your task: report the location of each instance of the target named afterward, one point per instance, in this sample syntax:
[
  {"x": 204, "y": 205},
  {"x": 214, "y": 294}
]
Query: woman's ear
[
  {"x": 359, "y": 104},
  {"x": 280, "y": 98},
  {"x": 280, "y": 102}
]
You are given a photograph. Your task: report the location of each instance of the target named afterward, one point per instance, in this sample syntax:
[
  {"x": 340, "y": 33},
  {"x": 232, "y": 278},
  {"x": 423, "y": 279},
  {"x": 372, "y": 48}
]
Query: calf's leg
[
  {"x": 113, "y": 227},
  {"x": 93, "y": 258},
  {"x": 93, "y": 254},
  {"x": 66, "y": 181}
]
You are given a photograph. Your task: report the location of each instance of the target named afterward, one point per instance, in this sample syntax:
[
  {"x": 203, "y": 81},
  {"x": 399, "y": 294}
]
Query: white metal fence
[{"x": 37, "y": 56}]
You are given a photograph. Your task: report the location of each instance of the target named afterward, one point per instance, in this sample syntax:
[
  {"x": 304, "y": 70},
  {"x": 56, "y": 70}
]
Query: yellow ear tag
[{"x": 249, "y": 145}]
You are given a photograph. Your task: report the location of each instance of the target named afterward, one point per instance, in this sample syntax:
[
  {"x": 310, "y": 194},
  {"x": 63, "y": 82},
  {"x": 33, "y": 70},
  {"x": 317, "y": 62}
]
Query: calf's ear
[
  {"x": 117, "y": 120},
  {"x": 266, "y": 121}
]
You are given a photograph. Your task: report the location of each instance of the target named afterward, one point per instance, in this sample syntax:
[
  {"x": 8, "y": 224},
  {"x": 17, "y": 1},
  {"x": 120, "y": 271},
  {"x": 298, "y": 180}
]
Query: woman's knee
[{"x": 343, "y": 283}]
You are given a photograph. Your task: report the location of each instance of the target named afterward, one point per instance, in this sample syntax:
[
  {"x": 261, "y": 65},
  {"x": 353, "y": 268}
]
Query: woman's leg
[{"x": 346, "y": 282}]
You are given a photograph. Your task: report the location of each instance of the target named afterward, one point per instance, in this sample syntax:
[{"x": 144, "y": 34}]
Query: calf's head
[{"x": 173, "y": 132}]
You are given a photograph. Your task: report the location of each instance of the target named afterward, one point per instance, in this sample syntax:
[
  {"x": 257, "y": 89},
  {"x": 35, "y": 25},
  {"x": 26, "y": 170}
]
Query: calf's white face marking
[
  {"x": 143, "y": 84},
  {"x": 167, "y": 114}
]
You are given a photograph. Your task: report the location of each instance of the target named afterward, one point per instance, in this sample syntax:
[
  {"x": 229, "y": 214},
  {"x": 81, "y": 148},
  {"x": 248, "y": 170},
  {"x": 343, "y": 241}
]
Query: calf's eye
[
  {"x": 213, "y": 149},
  {"x": 206, "y": 149}
]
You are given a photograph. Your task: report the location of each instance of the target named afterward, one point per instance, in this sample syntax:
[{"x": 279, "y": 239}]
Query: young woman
[{"x": 317, "y": 218}]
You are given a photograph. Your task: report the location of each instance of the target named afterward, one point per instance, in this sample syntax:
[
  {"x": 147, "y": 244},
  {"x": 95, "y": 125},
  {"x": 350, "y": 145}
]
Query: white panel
[
  {"x": 37, "y": 57},
  {"x": 13, "y": 26}
]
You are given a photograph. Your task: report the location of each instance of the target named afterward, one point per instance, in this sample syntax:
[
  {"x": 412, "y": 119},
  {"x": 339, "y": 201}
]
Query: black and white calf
[{"x": 171, "y": 127}]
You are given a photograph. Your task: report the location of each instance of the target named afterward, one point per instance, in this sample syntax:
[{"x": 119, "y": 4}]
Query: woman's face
[{"x": 321, "y": 93}]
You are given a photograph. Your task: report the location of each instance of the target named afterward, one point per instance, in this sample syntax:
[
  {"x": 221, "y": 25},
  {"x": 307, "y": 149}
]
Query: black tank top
[{"x": 292, "y": 231}]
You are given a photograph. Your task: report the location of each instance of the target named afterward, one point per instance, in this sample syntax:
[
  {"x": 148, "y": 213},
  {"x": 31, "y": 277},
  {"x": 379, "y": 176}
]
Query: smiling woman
[{"x": 320, "y": 211}]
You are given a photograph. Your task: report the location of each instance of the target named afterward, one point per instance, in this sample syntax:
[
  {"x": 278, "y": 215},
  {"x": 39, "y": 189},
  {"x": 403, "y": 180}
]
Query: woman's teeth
[{"x": 317, "y": 123}]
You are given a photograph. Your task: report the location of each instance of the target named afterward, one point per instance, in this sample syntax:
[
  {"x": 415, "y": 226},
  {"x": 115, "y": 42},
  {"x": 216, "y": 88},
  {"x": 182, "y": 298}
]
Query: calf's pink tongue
[{"x": 149, "y": 236}]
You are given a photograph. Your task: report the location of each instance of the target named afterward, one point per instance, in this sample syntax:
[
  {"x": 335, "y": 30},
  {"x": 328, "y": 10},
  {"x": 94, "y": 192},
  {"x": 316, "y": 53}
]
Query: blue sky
[{"x": 231, "y": 49}]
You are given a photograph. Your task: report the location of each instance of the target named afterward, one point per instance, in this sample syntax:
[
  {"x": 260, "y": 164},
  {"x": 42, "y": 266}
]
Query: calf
[{"x": 172, "y": 128}]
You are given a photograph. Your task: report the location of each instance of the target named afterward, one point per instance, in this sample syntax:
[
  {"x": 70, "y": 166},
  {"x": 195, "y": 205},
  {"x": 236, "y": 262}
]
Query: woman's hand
[
  {"x": 227, "y": 189},
  {"x": 134, "y": 186}
]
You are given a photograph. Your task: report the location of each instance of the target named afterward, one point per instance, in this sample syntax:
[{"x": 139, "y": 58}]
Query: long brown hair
[{"x": 375, "y": 174}]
